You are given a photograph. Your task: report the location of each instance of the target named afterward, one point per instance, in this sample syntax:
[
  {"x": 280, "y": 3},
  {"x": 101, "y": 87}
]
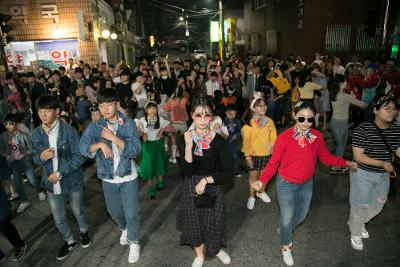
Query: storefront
[
  {"x": 51, "y": 54},
  {"x": 47, "y": 34}
]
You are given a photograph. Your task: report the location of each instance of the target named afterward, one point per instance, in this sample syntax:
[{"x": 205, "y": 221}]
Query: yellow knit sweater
[{"x": 258, "y": 141}]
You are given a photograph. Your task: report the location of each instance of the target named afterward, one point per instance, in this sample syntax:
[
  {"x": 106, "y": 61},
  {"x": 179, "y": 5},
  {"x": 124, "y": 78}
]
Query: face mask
[{"x": 164, "y": 77}]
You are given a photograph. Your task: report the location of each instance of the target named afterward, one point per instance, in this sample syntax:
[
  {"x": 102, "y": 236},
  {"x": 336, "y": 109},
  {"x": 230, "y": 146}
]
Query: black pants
[{"x": 11, "y": 233}]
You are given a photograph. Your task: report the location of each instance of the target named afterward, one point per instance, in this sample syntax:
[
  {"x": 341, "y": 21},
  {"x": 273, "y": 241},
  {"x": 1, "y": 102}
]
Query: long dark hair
[
  {"x": 334, "y": 88},
  {"x": 248, "y": 114},
  {"x": 152, "y": 104}
]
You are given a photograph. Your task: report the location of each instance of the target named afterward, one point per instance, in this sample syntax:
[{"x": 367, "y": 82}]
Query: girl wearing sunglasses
[
  {"x": 295, "y": 154},
  {"x": 206, "y": 165}
]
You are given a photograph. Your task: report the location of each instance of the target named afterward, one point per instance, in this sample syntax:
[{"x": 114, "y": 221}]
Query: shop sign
[{"x": 19, "y": 13}]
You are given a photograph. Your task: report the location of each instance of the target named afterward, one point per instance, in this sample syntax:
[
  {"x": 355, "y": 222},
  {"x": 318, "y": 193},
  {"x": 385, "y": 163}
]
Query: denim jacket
[
  {"x": 24, "y": 142},
  {"x": 70, "y": 159},
  {"x": 126, "y": 132}
]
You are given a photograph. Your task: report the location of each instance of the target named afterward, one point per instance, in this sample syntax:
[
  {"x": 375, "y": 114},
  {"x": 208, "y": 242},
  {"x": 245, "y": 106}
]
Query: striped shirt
[{"x": 366, "y": 136}]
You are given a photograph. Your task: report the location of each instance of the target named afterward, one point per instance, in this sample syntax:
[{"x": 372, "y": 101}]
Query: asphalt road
[{"x": 323, "y": 240}]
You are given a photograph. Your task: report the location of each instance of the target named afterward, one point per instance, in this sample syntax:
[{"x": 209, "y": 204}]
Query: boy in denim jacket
[
  {"x": 234, "y": 128},
  {"x": 114, "y": 143},
  {"x": 56, "y": 149},
  {"x": 16, "y": 147}
]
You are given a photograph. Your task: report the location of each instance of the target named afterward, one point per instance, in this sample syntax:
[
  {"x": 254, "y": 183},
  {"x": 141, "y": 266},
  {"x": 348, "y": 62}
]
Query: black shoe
[
  {"x": 65, "y": 251},
  {"x": 19, "y": 252},
  {"x": 85, "y": 240}
]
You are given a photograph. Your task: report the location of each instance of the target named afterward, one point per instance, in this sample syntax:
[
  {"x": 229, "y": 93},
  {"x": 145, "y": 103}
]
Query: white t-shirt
[
  {"x": 150, "y": 131},
  {"x": 53, "y": 136},
  {"x": 116, "y": 159},
  {"x": 140, "y": 98},
  {"x": 212, "y": 87}
]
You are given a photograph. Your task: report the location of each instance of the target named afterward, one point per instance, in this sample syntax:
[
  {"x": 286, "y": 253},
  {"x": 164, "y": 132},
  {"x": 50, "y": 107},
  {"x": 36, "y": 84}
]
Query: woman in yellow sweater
[{"x": 259, "y": 135}]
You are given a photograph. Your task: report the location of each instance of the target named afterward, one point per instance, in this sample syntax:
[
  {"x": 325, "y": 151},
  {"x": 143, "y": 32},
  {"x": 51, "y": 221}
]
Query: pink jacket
[{"x": 177, "y": 109}]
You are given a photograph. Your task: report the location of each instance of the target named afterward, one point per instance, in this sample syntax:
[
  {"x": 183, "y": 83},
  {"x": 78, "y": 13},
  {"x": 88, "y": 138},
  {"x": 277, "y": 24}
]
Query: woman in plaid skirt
[
  {"x": 259, "y": 135},
  {"x": 206, "y": 166}
]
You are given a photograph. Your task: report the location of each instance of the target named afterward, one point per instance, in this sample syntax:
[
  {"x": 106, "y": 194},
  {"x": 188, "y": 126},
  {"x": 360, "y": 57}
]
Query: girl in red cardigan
[{"x": 294, "y": 156}]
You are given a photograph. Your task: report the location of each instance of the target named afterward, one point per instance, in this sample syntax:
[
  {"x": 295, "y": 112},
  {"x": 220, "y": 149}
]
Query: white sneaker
[
  {"x": 250, "y": 203},
  {"x": 238, "y": 175},
  {"x": 198, "y": 262},
  {"x": 364, "y": 232},
  {"x": 123, "y": 240},
  {"x": 287, "y": 257},
  {"x": 224, "y": 257},
  {"x": 134, "y": 253},
  {"x": 264, "y": 197},
  {"x": 23, "y": 206},
  {"x": 172, "y": 160},
  {"x": 356, "y": 242},
  {"x": 42, "y": 196}
]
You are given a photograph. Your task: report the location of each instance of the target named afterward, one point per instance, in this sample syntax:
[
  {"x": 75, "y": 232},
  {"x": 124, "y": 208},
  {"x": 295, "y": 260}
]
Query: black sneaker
[
  {"x": 65, "y": 251},
  {"x": 19, "y": 252},
  {"x": 85, "y": 240}
]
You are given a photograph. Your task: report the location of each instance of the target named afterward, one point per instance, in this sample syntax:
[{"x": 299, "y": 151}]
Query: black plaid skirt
[
  {"x": 201, "y": 225},
  {"x": 259, "y": 163}
]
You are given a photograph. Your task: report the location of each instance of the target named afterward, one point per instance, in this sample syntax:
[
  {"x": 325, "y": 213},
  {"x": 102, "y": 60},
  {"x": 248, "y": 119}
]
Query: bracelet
[{"x": 205, "y": 178}]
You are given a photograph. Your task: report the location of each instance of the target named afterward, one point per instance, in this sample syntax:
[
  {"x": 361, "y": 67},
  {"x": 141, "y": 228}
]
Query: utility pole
[{"x": 221, "y": 31}]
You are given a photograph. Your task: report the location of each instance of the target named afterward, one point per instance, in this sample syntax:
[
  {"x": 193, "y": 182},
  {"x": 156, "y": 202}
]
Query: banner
[{"x": 53, "y": 54}]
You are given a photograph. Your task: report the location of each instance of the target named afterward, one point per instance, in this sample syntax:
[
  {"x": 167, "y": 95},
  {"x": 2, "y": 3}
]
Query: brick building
[
  {"x": 47, "y": 32},
  {"x": 304, "y": 27}
]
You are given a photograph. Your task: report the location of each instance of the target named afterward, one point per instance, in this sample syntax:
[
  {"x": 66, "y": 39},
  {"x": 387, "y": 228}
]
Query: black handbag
[{"x": 207, "y": 199}]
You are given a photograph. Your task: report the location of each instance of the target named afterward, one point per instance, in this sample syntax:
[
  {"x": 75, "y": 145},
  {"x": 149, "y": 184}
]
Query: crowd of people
[{"x": 218, "y": 119}]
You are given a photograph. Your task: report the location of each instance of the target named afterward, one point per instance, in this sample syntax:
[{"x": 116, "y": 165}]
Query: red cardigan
[{"x": 296, "y": 164}]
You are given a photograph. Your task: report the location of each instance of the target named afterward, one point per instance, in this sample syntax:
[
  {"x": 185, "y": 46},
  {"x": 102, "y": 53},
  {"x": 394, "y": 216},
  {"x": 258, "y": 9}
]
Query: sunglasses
[
  {"x": 9, "y": 123},
  {"x": 93, "y": 109},
  {"x": 206, "y": 116},
  {"x": 303, "y": 119}
]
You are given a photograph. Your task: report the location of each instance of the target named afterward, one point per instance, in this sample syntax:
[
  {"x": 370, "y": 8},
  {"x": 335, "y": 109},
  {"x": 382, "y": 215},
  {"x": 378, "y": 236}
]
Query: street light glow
[
  {"x": 114, "y": 36},
  {"x": 106, "y": 34},
  {"x": 58, "y": 34},
  {"x": 181, "y": 18}
]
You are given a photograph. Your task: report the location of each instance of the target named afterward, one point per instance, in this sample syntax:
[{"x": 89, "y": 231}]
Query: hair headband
[
  {"x": 257, "y": 95},
  {"x": 298, "y": 104},
  {"x": 148, "y": 102}
]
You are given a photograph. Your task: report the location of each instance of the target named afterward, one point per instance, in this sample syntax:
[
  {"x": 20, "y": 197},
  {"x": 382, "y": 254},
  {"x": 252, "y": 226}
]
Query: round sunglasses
[{"x": 303, "y": 119}]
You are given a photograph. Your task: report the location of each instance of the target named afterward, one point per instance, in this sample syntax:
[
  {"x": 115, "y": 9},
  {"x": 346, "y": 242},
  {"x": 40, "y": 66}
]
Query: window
[
  {"x": 365, "y": 42},
  {"x": 337, "y": 38},
  {"x": 271, "y": 44},
  {"x": 259, "y": 4}
]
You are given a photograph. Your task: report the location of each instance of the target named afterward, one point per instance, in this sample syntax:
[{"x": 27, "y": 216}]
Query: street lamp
[
  {"x": 114, "y": 36},
  {"x": 181, "y": 18},
  {"x": 106, "y": 34}
]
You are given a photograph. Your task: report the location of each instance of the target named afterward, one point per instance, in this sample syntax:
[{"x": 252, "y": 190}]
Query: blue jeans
[
  {"x": 368, "y": 194},
  {"x": 235, "y": 156},
  {"x": 122, "y": 202},
  {"x": 294, "y": 203},
  {"x": 18, "y": 168},
  {"x": 57, "y": 206},
  {"x": 340, "y": 132}
]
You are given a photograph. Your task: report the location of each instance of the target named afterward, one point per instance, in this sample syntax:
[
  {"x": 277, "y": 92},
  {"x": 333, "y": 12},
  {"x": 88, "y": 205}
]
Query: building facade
[
  {"x": 47, "y": 33},
  {"x": 305, "y": 27}
]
